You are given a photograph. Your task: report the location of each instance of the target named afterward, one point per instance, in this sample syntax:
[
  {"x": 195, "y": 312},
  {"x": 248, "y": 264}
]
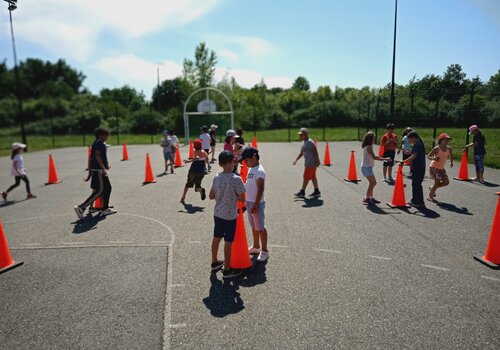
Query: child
[
  {"x": 240, "y": 139},
  {"x": 389, "y": 142},
  {"x": 255, "y": 202},
  {"x": 229, "y": 141},
  {"x": 168, "y": 149},
  {"x": 175, "y": 143},
  {"x": 367, "y": 166},
  {"x": 17, "y": 170},
  {"x": 479, "y": 151},
  {"x": 98, "y": 170},
  {"x": 205, "y": 142},
  {"x": 196, "y": 171},
  {"x": 405, "y": 145},
  {"x": 438, "y": 157},
  {"x": 227, "y": 189},
  {"x": 213, "y": 141},
  {"x": 417, "y": 160},
  {"x": 311, "y": 163}
]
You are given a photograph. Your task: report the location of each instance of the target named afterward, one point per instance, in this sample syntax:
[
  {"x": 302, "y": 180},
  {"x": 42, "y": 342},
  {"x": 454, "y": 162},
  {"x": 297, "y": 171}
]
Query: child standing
[
  {"x": 213, "y": 141},
  {"x": 367, "y": 165},
  {"x": 175, "y": 143},
  {"x": 227, "y": 190},
  {"x": 311, "y": 163},
  {"x": 17, "y": 170},
  {"x": 205, "y": 142},
  {"x": 438, "y": 157},
  {"x": 196, "y": 171},
  {"x": 255, "y": 202},
  {"x": 417, "y": 159},
  {"x": 168, "y": 149},
  {"x": 389, "y": 141},
  {"x": 98, "y": 171},
  {"x": 478, "y": 143},
  {"x": 405, "y": 145}
]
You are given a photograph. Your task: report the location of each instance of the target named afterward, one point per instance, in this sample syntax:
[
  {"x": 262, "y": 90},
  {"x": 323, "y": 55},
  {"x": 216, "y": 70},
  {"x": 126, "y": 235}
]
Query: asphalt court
[{"x": 340, "y": 275}]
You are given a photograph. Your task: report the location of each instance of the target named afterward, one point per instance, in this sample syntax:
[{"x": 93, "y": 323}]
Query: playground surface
[{"x": 340, "y": 274}]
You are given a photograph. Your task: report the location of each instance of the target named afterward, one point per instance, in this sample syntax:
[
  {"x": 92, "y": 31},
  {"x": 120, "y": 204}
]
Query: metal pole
[
  {"x": 394, "y": 58},
  {"x": 324, "y": 122},
  {"x": 289, "y": 122},
  {"x": 18, "y": 86},
  {"x": 52, "y": 131}
]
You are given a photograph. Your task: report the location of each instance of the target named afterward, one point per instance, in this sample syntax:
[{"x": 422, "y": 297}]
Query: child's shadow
[
  {"x": 191, "y": 209},
  {"x": 255, "y": 276},
  {"x": 453, "y": 208},
  {"x": 88, "y": 223},
  {"x": 223, "y": 298},
  {"x": 309, "y": 202},
  {"x": 8, "y": 203}
]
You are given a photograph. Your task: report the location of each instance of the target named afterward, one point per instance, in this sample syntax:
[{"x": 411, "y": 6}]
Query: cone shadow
[{"x": 223, "y": 298}]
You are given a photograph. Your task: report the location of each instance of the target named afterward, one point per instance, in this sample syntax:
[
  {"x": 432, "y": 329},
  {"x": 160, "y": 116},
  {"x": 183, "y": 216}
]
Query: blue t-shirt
[
  {"x": 418, "y": 163},
  {"x": 481, "y": 140},
  {"x": 98, "y": 145}
]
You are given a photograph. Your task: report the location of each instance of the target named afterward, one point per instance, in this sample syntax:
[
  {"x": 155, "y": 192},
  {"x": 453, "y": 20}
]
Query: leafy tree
[
  {"x": 200, "y": 73},
  {"x": 171, "y": 94},
  {"x": 453, "y": 83},
  {"x": 302, "y": 84}
]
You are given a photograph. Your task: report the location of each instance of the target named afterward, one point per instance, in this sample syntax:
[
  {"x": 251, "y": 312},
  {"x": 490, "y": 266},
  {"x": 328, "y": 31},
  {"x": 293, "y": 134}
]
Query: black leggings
[
  {"x": 18, "y": 181},
  {"x": 103, "y": 188}
]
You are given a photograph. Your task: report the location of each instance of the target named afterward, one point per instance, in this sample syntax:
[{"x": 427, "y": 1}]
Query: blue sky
[{"x": 330, "y": 42}]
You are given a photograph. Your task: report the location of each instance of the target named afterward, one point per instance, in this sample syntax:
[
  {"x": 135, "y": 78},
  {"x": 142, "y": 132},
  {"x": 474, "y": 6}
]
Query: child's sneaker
[
  {"x": 253, "y": 251},
  {"x": 4, "y": 196},
  {"x": 231, "y": 273},
  {"x": 263, "y": 256},
  {"x": 203, "y": 194},
  {"x": 366, "y": 200},
  {"x": 301, "y": 193},
  {"x": 108, "y": 211},
  {"x": 374, "y": 201},
  {"x": 316, "y": 194},
  {"x": 216, "y": 266},
  {"x": 31, "y": 196},
  {"x": 79, "y": 212}
]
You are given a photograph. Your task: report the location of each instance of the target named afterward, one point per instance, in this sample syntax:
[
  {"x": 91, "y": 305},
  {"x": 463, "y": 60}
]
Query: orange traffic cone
[
  {"x": 352, "y": 176},
  {"x": 492, "y": 256},
  {"x": 240, "y": 259},
  {"x": 89, "y": 153},
  {"x": 398, "y": 198},
  {"x": 381, "y": 151},
  {"x": 463, "y": 173},
  {"x": 6, "y": 261},
  {"x": 327, "y": 156},
  {"x": 125, "y": 152},
  {"x": 254, "y": 142},
  {"x": 191, "y": 150},
  {"x": 244, "y": 171},
  {"x": 178, "y": 160},
  {"x": 97, "y": 205},
  {"x": 149, "y": 172},
  {"x": 53, "y": 179}
]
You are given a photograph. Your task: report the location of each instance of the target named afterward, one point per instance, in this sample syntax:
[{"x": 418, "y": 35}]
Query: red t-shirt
[{"x": 391, "y": 145}]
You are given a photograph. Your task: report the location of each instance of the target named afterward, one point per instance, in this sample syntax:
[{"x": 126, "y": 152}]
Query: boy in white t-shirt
[{"x": 255, "y": 202}]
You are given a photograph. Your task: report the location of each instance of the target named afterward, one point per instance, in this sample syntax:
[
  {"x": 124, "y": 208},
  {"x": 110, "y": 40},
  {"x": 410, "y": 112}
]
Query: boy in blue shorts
[
  {"x": 227, "y": 190},
  {"x": 255, "y": 202}
]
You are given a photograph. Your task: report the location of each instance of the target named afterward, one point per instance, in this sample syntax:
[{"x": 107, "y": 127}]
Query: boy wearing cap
[
  {"x": 17, "y": 170},
  {"x": 196, "y": 171},
  {"x": 168, "y": 149},
  {"x": 311, "y": 163},
  {"x": 227, "y": 189},
  {"x": 389, "y": 142},
  {"x": 478, "y": 143},
  {"x": 438, "y": 157},
  {"x": 255, "y": 202},
  {"x": 205, "y": 142}
]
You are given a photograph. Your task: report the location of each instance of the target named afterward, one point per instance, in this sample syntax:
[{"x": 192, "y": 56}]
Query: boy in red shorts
[{"x": 311, "y": 163}]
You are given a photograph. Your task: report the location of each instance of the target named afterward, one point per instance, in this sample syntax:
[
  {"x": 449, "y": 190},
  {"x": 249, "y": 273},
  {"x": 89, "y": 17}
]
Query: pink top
[
  {"x": 228, "y": 147},
  {"x": 443, "y": 156}
]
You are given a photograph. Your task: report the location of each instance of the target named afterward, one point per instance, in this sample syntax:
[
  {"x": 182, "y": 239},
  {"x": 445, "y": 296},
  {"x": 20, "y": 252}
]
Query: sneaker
[
  {"x": 253, "y": 251},
  {"x": 203, "y": 194},
  {"x": 171, "y": 170},
  {"x": 316, "y": 193},
  {"x": 4, "y": 196},
  {"x": 301, "y": 193},
  {"x": 31, "y": 196},
  {"x": 384, "y": 179},
  {"x": 216, "y": 266},
  {"x": 263, "y": 256},
  {"x": 366, "y": 200},
  {"x": 108, "y": 211},
  {"x": 391, "y": 180},
  {"x": 374, "y": 201},
  {"x": 79, "y": 212},
  {"x": 481, "y": 181},
  {"x": 231, "y": 273}
]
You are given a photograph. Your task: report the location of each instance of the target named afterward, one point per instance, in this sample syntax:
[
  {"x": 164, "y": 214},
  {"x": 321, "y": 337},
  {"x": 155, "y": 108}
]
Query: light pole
[
  {"x": 394, "y": 58},
  {"x": 12, "y": 7}
]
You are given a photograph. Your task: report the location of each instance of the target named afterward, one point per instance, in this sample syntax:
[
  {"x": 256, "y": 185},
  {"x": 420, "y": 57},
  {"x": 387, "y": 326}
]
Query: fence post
[
  {"x": 324, "y": 122},
  {"x": 289, "y": 122},
  {"x": 435, "y": 123}
]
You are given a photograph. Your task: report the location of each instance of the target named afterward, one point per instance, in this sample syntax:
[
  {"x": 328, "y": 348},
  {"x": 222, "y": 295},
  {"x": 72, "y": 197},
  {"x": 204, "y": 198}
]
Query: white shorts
[{"x": 257, "y": 219}]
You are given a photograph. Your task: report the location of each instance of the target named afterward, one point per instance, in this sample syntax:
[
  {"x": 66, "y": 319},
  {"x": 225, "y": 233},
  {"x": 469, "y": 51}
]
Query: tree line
[{"x": 56, "y": 101}]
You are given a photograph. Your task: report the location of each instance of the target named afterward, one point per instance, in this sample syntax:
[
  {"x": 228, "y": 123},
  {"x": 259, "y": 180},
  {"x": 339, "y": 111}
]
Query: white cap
[
  {"x": 303, "y": 131},
  {"x": 17, "y": 145},
  {"x": 230, "y": 132}
]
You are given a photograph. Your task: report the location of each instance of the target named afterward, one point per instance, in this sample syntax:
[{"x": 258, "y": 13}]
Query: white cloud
[
  {"x": 249, "y": 46},
  {"x": 71, "y": 28},
  {"x": 230, "y": 55},
  {"x": 253, "y": 46}
]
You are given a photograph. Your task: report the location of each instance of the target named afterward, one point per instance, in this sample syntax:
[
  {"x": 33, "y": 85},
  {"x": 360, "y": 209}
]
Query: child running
[
  {"x": 98, "y": 171},
  {"x": 205, "y": 142},
  {"x": 438, "y": 157},
  {"x": 227, "y": 190},
  {"x": 389, "y": 141},
  {"x": 417, "y": 159},
  {"x": 367, "y": 165},
  {"x": 17, "y": 170},
  {"x": 478, "y": 143},
  {"x": 196, "y": 171},
  {"x": 168, "y": 151},
  {"x": 255, "y": 202}
]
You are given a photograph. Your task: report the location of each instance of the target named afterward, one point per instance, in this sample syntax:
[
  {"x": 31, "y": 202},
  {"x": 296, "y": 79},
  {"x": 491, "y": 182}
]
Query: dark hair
[
  {"x": 101, "y": 131},
  {"x": 228, "y": 139},
  {"x": 14, "y": 152},
  {"x": 414, "y": 134},
  {"x": 368, "y": 139},
  {"x": 407, "y": 130},
  {"x": 239, "y": 132},
  {"x": 390, "y": 126}
]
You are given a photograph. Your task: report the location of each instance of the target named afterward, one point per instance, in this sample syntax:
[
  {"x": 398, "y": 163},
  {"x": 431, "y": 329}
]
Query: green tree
[
  {"x": 301, "y": 83},
  {"x": 200, "y": 73}
]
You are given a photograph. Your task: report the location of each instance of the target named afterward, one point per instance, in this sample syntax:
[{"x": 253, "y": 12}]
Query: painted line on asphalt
[
  {"x": 277, "y": 246},
  {"x": 491, "y": 278},
  {"x": 159, "y": 242},
  {"x": 178, "y": 325},
  {"x": 327, "y": 250},
  {"x": 379, "y": 257},
  {"x": 194, "y": 242},
  {"x": 79, "y": 246},
  {"x": 30, "y": 244},
  {"x": 120, "y": 242},
  {"x": 178, "y": 285},
  {"x": 73, "y": 243},
  {"x": 435, "y": 267}
]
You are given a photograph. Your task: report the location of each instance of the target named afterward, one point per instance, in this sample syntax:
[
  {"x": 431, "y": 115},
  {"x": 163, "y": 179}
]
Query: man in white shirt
[
  {"x": 255, "y": 202},
  {"x": 205, "y": 141}
]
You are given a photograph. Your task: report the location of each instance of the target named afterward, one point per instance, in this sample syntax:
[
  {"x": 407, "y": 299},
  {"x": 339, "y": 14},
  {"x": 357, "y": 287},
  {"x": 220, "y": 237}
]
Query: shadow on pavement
[
  {"x": 9, "y": 203},
  {"x": 191, "y": 209},
  {"x": 309, "y": 202},
  {"x": 426, "y": 213},
  {"x": 453, "y": 208},
  {"x": 377, "y": 210},
  {"x": 255, "y": 276},
  {"x": 223, "y": 298},
  {"x": 488, "y": 184},
  {"x": 88, "y": 223}
]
